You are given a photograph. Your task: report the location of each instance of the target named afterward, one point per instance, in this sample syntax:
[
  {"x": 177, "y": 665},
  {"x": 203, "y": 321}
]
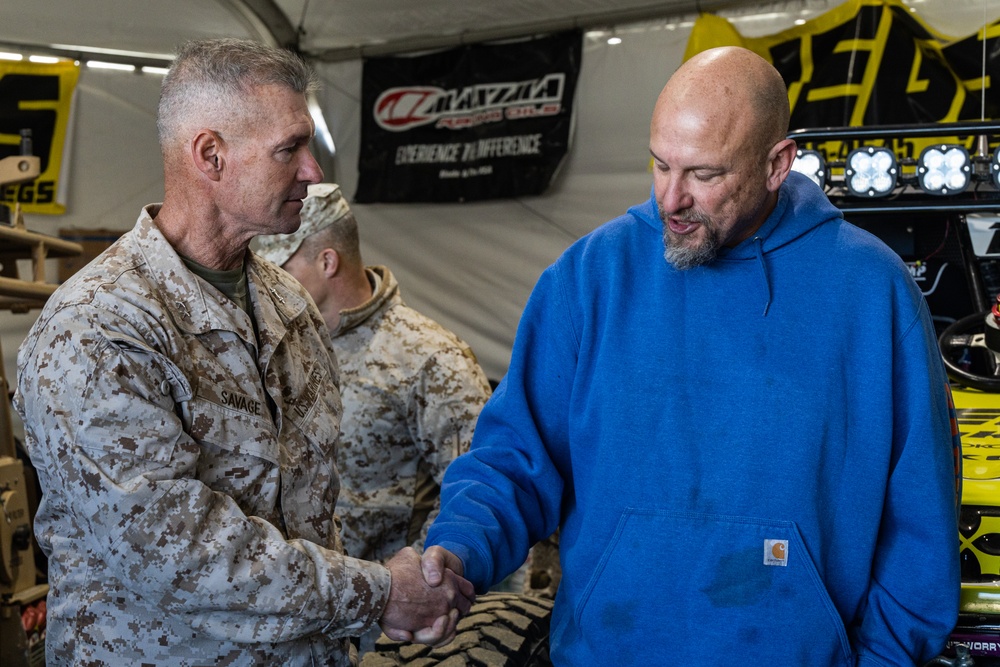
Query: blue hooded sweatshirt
[{"x": 750, "y": 461}]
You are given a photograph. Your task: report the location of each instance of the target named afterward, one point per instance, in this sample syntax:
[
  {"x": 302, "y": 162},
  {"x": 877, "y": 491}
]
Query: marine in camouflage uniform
[
  {"x": 412, "y": 392},
  {"x": 189, "y": 474}
]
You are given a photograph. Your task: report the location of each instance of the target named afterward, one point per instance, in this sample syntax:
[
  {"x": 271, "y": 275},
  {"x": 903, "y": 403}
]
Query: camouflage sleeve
[
  {"x": 101, "y": 410},
  {"x": 443, "y": 406}
]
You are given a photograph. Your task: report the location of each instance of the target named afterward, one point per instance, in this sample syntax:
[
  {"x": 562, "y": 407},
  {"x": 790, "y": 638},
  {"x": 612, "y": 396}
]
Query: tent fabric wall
[{"x": 470, "y": 266}]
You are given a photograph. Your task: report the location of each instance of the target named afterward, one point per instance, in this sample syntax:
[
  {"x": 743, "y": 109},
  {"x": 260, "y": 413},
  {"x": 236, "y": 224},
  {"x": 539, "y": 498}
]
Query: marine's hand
[
  {"x": 419, "y": 612},
  {"x": 435, "y": 561}
]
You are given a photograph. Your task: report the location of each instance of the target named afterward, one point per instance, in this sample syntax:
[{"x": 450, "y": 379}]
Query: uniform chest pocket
[
  {"x": 313, "y": 410},
  {"x": 241, "y": 428}
]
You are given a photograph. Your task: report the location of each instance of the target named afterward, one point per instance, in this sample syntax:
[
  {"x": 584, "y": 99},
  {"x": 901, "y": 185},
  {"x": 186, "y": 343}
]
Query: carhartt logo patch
[{"x": 776, "y": 552}]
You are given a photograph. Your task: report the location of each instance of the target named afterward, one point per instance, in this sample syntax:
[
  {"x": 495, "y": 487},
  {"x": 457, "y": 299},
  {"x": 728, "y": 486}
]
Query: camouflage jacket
[
  {"x": 188, "y": 477},
  {"x": 412, "y": 392}
]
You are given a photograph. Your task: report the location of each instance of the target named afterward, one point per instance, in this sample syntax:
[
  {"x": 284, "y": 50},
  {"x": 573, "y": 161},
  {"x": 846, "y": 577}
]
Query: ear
[
  {"x": 780, "y": 161},
  {"x": 207, "y": 152},
  {"x": 331, "y": 262}
]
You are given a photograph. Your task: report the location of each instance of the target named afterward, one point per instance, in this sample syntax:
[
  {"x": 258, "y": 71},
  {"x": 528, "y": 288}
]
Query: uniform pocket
[
  {"x": 736, "y": 586},
  {"x": 240, "y": 429}
]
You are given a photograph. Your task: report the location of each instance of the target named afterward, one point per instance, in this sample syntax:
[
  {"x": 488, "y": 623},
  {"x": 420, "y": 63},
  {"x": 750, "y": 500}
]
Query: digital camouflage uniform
[
  {"x": 187, "y": 512},
  {"x": 412, "y": 392}
]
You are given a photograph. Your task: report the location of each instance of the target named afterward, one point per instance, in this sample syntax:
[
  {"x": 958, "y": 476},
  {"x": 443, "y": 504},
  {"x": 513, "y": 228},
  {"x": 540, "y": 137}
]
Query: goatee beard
[{"x": 684, "y": 257}]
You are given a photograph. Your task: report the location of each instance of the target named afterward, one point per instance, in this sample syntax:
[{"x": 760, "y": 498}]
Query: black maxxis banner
[{"x": 476, "y": 122}]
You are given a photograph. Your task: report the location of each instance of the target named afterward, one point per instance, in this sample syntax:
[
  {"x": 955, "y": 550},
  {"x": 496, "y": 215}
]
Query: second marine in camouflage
[{"x": 412, "y": 390}]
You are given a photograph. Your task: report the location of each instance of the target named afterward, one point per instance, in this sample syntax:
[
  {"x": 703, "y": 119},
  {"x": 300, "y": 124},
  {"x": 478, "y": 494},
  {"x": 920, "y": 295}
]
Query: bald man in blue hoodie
[{"x": 731, "y": 403}]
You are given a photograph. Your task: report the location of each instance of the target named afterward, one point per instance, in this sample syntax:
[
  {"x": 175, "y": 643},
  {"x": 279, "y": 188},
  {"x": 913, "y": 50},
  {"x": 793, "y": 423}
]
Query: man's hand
[
  {"x": 421, "y": 612},
  {"x": 436, "y": 561}
]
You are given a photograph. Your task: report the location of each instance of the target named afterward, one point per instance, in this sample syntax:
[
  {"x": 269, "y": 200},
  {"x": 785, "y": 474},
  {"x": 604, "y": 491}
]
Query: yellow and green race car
[
  {"x": 978, "y": 411},
  {"x": 979, "y": 521},
  {"x": 979, "y": 527}
]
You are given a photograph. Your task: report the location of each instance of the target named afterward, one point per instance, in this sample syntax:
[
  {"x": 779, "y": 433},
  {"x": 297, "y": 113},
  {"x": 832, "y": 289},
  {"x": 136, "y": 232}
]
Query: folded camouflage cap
[{"x": 324, "y": 205}]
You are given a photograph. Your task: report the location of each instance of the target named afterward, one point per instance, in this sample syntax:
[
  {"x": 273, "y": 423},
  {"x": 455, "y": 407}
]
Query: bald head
[{"x": 730, "y": 87}]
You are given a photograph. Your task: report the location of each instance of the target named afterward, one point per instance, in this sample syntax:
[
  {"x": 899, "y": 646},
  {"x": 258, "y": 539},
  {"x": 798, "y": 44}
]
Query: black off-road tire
[{"x": 501, "y": 630}]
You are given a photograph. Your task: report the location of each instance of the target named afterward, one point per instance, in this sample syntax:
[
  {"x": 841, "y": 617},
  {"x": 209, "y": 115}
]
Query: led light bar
[
  {"x": 871, "y": 172},
  {"x": 812, "y": 164},
  {"x": 944, "y": 169}
]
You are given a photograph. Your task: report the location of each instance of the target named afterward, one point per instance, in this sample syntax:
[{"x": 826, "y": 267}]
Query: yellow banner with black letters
[
  {"x": 38, "y": 97},
  {"x": 873, "y": 62}
]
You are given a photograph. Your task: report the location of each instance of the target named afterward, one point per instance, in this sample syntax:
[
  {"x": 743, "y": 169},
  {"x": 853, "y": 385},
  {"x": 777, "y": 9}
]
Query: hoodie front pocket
[{"x": 734, "y": 585}]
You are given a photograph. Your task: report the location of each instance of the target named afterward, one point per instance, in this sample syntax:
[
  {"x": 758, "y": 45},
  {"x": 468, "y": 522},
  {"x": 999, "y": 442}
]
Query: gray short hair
[{"x": 209, "y": 79}]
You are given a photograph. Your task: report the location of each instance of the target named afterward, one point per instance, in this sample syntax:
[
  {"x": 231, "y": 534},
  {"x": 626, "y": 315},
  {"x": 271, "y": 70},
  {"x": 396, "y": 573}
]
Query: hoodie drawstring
[{"x": 759, "y": 247}]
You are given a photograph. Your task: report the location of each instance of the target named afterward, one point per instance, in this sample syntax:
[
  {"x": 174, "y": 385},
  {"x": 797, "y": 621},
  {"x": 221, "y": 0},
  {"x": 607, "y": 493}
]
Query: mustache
[{"x": 686, "y": 217}]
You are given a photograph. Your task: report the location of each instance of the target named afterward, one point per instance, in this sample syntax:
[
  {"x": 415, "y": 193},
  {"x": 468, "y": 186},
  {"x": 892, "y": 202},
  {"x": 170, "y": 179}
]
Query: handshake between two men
[{"x": 427, "y": 598}]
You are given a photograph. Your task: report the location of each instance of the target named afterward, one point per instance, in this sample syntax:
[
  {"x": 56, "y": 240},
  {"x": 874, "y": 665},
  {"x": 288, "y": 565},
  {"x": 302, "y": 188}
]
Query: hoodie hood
[{"x": 802, "y": 207}]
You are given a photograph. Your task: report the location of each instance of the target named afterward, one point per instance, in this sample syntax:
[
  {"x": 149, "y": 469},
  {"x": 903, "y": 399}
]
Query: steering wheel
[{"x": 958, "y": 336}]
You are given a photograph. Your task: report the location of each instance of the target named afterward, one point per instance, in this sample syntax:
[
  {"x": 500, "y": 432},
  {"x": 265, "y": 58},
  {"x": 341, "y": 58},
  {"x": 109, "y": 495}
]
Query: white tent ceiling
[
  {"x": 326, "y": 29},
  {"x": 343, "y": 29},
  {"x": 470, "y": 266}
]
